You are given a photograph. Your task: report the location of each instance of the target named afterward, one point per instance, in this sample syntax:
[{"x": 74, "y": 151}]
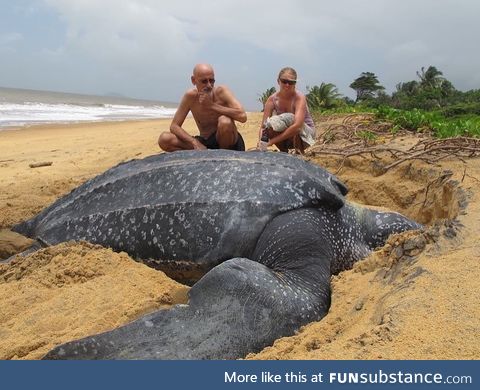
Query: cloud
[
  {"x": 147, "y": 48},
  {"x": 182, "y": 29},
  {"x": 123, "y": 30},
  {"x": 7, "y": 39}
]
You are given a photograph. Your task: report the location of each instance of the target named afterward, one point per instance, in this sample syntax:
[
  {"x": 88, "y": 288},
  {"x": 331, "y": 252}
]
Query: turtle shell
[{"x": 195, "y": 206}]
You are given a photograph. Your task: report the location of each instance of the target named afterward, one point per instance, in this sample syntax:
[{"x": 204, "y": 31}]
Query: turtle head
[{"x": 379, "y": 225}]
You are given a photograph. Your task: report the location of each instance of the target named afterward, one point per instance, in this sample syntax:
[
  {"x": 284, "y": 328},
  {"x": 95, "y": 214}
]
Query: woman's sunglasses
[{"x": 289, "y": 82}]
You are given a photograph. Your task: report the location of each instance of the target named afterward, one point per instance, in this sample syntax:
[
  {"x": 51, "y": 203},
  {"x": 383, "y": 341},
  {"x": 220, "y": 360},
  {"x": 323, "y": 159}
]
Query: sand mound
[
  {"x": 73, "y": 290},
  {"x": 12, "y": 243}
]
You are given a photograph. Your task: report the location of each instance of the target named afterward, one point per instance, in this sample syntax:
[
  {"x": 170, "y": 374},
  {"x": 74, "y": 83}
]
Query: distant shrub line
[
  {"x": 430, "y": 103},
  {"x": 441, "y": 123}
]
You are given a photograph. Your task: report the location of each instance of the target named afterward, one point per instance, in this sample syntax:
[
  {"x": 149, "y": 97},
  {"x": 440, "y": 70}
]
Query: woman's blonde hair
[{"x": 287, "y": 69}]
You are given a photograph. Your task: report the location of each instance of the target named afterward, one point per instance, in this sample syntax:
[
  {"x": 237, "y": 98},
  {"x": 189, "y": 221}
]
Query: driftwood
[
  {"x": 429, "y": 151},
  {"x": 357, "y": 135},
  {"x": 41, "y": 164}
]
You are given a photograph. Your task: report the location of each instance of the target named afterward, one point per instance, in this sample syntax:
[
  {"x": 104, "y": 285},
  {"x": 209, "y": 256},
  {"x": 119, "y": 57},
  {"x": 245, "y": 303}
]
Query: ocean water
[{"x": 23, "y": 107}]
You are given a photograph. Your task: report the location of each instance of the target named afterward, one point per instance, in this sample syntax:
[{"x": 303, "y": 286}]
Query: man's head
[{"x": 203, "y": 77}]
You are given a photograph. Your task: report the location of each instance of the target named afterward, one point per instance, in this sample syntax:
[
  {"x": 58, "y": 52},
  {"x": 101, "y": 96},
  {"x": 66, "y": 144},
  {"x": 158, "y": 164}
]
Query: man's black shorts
[{"x": 211, "y": 142}]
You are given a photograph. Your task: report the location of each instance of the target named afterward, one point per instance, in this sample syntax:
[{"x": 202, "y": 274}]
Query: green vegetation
[
  {"x": 366, "y": 86},
  {"x": 429, "y": 103},
  {"x": 367, "y": 136},
  {"x": 434, "y": 121},
  {"x": 461, "y": 110},
  {"x": 325, "y": 96},
  {"x": 265, "y": 95}
]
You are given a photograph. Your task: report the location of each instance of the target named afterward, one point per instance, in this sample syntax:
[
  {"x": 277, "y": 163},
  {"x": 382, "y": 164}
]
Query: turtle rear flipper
[{"x": 238, "y": 307}]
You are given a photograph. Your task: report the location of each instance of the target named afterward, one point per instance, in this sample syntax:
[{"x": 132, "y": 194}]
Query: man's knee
[
  {"x": 226, "y": 124},
  {"x": 227, "y": 134},
  {"x": 165, "y": 141}
]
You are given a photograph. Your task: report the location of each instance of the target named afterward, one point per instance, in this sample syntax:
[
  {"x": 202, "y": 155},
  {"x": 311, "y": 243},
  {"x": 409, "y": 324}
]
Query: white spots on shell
[
  {"x": 180, "y": 216},
  {"x": 161, "y": 248},
  {"x": 148, "y": 324}
]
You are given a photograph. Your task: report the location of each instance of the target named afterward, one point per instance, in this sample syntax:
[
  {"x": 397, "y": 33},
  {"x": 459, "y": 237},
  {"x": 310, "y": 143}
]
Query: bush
[
  {"x": 418, "y": 120},
  {"x": 456, "y": 128},
  {"x": 462, "y": 109}
]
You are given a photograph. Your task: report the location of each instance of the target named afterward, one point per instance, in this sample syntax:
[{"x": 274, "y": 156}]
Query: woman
[{"x": 286, "y": 118}]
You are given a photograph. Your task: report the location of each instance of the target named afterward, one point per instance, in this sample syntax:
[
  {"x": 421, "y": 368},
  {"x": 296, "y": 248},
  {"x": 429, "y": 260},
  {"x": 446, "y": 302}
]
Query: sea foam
[
  {"x": 13, "y": 114},
  {"x": 21, "y": 107}
]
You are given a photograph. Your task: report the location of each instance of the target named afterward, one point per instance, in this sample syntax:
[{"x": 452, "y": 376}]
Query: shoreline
[
  {"x": 132, "y": 121},
  {"x": 60, "y": 125},
  {"x": 77, "y": 123},
  {"x": 23, "y": 107},
  {"x": 162, "y": 123}
]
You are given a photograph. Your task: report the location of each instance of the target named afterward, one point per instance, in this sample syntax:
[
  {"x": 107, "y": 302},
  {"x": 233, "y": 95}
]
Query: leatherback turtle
[{"x": 267, "y": 229}]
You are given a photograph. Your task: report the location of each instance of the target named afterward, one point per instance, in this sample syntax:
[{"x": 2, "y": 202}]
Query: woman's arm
[
  {"x": 267, "y": 113},
  {"x": 298, "y": 123}
]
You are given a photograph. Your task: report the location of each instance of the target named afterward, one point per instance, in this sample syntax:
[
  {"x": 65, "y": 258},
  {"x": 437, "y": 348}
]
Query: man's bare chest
[{"x": 204, "y": 116}]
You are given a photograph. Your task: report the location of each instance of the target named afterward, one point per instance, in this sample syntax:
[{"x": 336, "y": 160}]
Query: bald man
[{"x": 215, "y": 111}]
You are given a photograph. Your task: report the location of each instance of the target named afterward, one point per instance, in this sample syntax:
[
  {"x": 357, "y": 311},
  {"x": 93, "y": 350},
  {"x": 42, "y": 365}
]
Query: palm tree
[
  {"x": 323, "y": 96},
  {"x": 409, "y": 88},
  {"x": 264, "y": 96},
  {"x": 430, "y": 78}
]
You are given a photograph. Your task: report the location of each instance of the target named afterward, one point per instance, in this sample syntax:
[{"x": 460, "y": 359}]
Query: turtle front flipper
[
  {"x": 240, "y": 306},
  {"x": 378, "y": 225}
]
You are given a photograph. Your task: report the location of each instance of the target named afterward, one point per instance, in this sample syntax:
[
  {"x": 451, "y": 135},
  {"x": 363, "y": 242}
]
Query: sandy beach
[{"x": 403, "y": 302}]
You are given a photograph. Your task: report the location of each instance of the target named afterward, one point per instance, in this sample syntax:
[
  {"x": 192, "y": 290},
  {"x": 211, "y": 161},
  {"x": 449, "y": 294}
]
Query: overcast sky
[{"x": 147, "y": 48}]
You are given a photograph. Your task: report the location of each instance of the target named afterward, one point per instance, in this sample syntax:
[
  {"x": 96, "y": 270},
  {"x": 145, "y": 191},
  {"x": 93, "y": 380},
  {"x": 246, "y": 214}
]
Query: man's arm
[
  {"x": 232, "y": 107},
  {"x": 177, "y": 122}
]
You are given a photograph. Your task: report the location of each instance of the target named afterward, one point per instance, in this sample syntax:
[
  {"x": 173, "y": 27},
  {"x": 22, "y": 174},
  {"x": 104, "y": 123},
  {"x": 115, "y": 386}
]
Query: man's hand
[
  {"x": 197, "y": 145},
  {"x": 205, "y": 97}
]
